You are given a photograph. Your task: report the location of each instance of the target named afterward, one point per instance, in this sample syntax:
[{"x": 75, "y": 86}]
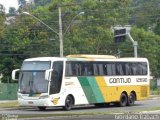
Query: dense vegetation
[{"x": 23, "y": 36}]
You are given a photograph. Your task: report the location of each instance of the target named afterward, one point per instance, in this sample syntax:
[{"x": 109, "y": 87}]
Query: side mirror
[
  {"x": 48, "y": 74},
  {"x": 14, "y": 74}
]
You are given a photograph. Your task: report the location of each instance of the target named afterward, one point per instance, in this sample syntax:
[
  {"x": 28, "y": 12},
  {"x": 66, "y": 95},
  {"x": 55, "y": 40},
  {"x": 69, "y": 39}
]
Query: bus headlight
[{"x": 44, "y": 96}]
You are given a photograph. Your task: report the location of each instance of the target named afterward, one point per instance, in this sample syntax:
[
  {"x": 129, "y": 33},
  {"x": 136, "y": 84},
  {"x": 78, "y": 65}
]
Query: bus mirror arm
[
  {"x": 14, "y": 74},
  {"x": 48, "y": 74}
]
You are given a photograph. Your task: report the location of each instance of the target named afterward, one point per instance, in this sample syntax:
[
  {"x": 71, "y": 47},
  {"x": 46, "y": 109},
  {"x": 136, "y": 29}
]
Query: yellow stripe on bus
[{"x": 102, "y": 86}]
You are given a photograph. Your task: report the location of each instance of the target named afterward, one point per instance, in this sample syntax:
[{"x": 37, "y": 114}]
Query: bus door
[{"x": 56, "y": 77}]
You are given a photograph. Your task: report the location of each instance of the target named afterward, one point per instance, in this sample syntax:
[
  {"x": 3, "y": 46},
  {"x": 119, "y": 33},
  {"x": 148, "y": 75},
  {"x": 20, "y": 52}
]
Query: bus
[{"x": 82, "y": 79}]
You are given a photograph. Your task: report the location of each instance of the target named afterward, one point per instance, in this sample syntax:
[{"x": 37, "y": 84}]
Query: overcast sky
[{"x": 9, "y": 3}]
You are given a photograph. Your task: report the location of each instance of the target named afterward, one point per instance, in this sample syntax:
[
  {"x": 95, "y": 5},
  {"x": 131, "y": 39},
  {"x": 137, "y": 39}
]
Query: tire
[
  {"x": 69, "y": 102},
  {"x": 123, "y": 100},
  {"x": 42, "y": 108},
  {"x": 131, "y": 99}
]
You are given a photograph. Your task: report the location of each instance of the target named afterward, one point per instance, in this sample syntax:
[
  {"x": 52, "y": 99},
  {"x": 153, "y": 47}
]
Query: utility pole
[
  {"x": 134, "y": 43},
  {"x": 60, "y": 32}
]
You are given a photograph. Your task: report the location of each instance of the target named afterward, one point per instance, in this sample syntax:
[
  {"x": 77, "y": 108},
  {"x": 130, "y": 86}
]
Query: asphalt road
[{"x": 82, "y": 112}]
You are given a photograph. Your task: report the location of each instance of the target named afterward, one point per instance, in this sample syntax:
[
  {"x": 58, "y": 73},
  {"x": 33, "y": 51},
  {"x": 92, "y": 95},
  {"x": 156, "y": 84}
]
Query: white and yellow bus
[{"x": 82, "y": 79}]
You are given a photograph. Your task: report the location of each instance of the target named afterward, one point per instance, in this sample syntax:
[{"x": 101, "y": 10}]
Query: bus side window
[
  {"x": 139, "y": 67},
  {"x": 77, "y": 69},
  {"x": 113, "y": 65},
  {"x": 143, "y": 68},
  {"x": 95, "y": 69},
  {"x": 106, "y": 69},
  {"x": 100, "y": 69},
  {"x": 73, "y": 69},
  {"x": 111, "y": 69},
  {"x": 90, "y": 70},
  {"x": 119, "y": 69},
  {"x": 133, "y": 69},
  {"x": 68, "y": 71},
  {"x": 87, "y": 69},
  {"x": 83, "y": 69},
  {"x": 127, "y": 69}
]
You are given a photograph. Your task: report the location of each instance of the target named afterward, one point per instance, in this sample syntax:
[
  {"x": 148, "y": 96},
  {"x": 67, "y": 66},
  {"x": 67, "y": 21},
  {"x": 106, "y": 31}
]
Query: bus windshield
[
  {"x": 32, "y": 77},
  {"x": 36, "y": 65}
]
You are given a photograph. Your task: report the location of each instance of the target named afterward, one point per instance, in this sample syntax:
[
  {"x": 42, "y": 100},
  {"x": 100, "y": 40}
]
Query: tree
[
  {"x": 157, "y": 26},
  {"x": 2, "y": 20},
  {"x": 145, "y": 14},
  {"x": 2, "y": 9},
  {"x": 12, "y": 11},
  {"x": 22, "y": 2},
  {"x": 41, "y": 2},
  {"x": 87, "y": 34}
]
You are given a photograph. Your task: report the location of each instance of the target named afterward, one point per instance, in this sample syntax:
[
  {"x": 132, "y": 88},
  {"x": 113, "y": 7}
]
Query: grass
[
  {"x": 154, "y": 108},
  {"x": 65, "y": 114},
  {"x": 9, "y": 105},
  {"x": 155, "y": 92},
  {"x": 150, "y": 109}
]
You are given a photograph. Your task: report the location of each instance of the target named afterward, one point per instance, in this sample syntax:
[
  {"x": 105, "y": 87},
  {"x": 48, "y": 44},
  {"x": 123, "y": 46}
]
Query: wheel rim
[
  {"x": 131, "y": 99},
  {"x": 123, "y": 100},
  {"x": 69, "y": 103}
]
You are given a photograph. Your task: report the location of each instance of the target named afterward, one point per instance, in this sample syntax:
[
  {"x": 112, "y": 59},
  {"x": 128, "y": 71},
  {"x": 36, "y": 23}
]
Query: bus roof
[
  {"x": 91, "y": 56},
  {"x": 87, "y": 58},
  {"x": 44, "y": 59}
]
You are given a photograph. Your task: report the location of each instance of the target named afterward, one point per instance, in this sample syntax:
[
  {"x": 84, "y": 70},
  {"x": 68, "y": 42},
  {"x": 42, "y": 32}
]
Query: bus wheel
[
  {"x": 41, "y": 108},
  {"x": 123, "y": 100},
  {"x": 69, "y": 103},
  {"x": 131, "y": 99}
]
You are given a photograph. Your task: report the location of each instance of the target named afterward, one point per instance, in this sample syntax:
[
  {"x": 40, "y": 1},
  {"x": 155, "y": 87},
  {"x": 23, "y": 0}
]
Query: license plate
[{"x": 30, "y": 102}]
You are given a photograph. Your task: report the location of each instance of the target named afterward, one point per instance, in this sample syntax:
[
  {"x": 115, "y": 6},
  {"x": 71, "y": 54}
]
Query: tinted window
[
  {"x": 56, "y": 78},
  {"x": 105, "y": 68},
  {"x": 36, "y": 65}
]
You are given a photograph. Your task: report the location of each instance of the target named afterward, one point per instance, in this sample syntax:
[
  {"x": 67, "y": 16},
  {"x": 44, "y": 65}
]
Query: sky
[{"x": 9, "y": 3}]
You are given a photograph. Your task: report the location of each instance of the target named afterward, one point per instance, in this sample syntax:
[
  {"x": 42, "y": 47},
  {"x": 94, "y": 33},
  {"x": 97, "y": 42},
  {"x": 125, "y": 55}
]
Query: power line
[{"x": 51, "y": 23}]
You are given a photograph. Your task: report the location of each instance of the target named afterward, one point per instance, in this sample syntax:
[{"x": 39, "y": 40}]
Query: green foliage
[
  {"x": 12, "y": 11},
  {"x": 83, "y": 34},
  {"x": 41, "y": 2},
  {"x": 2, "y": 20},
  {"x": 21, "y": 2},
  {"x": 145, "y": 14}
]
